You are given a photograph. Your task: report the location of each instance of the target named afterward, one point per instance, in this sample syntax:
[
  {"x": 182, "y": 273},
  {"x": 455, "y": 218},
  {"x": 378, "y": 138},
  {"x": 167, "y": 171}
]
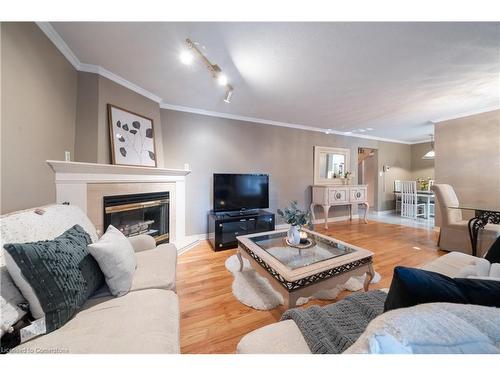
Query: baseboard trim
[{"x": 379, "y": 213}]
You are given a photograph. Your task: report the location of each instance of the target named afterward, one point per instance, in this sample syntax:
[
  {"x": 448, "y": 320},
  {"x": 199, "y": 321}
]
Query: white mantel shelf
[{"x": 59, "y": 166}]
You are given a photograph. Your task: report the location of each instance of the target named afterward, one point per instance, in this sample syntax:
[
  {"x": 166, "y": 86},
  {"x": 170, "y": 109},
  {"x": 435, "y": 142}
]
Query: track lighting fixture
[{"x": 187, "y": 57}]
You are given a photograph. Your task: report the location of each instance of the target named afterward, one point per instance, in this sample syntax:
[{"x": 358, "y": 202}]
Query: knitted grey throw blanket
[{"x": 334, "y": 328}]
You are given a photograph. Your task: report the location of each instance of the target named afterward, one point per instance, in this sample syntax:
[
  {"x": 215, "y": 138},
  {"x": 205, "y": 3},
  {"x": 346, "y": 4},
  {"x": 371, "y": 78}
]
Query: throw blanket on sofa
[{"x": 334, "y": 328}]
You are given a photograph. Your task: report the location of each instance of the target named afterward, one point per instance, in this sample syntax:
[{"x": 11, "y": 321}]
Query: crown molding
[
  {"x": 61, "y": 45},
  {"x": 56, "y": 39},
  {"x": 466, "y": 114},
  {"x": 273, "y": 123},
  {"x": 90, "y": 68}
]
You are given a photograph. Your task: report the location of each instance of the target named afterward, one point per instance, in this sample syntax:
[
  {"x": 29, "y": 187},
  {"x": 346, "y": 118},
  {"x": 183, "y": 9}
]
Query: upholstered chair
[{"x": 454, "y": 230}]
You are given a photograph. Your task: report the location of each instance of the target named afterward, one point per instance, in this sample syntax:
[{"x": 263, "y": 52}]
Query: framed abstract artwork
[{"x": 132, "y": 138}]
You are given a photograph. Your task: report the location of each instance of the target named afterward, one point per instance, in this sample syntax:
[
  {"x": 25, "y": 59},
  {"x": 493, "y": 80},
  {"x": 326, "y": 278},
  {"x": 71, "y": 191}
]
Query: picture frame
[{"x": 132, "y": 138}]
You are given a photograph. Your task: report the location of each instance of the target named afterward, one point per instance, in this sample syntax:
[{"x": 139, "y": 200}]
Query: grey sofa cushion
[
  {"x": 156, "y": 268},
  {"x": 59, "y": 274},
  {"x": 141, "y": 322}
]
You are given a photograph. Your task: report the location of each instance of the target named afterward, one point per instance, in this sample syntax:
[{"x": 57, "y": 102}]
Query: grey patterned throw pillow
[{"x": 56, "y": 277}]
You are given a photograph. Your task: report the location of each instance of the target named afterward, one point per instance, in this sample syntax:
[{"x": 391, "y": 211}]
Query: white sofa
[
  {"x": 285, "y": 337},
  {"x": 146, "y": 320}
]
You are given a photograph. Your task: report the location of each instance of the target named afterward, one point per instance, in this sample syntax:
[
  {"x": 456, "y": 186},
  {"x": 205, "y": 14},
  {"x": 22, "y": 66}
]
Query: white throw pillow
[{"x": 116, "y": 258}]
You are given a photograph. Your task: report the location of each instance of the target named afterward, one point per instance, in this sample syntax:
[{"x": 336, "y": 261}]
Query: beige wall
[
  {"x": 420, "y": 167},
  {"x": 398, "y": 157},
  {"x": 211, "y": 145},
  {"x": 468, "y": 157},
  {"x": 39, "y": 89}
]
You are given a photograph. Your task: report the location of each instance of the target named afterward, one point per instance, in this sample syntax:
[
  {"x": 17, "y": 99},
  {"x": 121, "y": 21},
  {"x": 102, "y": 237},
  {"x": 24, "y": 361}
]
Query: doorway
[{"x": 367, "y": 173}]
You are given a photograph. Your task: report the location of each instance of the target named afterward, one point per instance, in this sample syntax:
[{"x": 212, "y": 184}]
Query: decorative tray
[{"x": 309, "y": 243}]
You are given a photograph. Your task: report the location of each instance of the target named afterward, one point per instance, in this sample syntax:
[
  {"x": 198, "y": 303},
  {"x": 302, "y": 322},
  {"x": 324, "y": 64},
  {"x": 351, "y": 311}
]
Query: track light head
[
  {"x": 222, "y": 79},
  {"x": 229, "y": 94},
  {"x": 186, "y": 57}
]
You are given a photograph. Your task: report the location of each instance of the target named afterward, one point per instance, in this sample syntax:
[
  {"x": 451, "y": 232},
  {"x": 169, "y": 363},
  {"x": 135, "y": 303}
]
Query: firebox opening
[{"x": 136, "y": 214}]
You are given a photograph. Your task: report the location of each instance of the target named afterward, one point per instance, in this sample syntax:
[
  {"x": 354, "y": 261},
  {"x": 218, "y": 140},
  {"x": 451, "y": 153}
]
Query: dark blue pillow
[
  {"x": 411, "y": 286},
  {"x": 493, "y": 254}
]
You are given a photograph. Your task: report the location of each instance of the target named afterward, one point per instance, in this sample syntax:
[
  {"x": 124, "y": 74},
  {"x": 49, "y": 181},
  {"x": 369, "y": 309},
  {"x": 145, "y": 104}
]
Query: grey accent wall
[
  {"x": 211, "y": 145},
  {"x": 39, "y": 91},
  {"x": 468, "y": 157},
  {"x": 94, "y": 94},
  {"x": 420, "y": 167},
  {"x": 113, "y": 93},
  {"x": 87, "y": 125}
]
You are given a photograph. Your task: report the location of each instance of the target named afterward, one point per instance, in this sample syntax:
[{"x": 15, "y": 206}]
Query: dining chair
[
  {"x": 453, "y": 229},
  {"x": 429, "y": 201},
  {"x": 410, "y": 207}
]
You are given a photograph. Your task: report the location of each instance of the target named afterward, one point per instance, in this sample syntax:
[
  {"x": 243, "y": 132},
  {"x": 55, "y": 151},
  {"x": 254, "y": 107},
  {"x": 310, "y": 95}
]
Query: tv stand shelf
[{"x": 224, "y": 227}]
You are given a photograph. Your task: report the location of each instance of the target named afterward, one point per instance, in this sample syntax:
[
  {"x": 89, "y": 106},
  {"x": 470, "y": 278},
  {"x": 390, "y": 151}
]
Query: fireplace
[{"x": 135, "y": 214}]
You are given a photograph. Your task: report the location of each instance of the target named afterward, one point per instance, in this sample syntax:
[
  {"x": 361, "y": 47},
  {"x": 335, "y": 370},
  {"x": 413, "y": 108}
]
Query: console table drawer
[
  {"x": 358, "y": 194},
  {"x": 338, "y": 195}
]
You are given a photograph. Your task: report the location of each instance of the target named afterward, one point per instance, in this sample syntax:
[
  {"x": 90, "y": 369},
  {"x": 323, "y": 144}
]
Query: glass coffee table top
[{"x": 274, "y": 244}]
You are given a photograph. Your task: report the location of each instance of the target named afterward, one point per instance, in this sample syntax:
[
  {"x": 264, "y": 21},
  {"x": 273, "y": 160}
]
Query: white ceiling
[{"x": 392, "y": 77}]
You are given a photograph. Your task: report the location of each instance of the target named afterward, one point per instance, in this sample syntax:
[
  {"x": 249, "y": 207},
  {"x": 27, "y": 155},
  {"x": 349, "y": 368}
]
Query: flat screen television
[{"x": 239, "y": 192}]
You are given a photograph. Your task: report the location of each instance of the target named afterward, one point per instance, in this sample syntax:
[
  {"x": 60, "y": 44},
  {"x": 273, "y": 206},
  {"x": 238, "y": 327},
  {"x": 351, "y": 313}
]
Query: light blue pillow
[{"x": 387, "y": 344}]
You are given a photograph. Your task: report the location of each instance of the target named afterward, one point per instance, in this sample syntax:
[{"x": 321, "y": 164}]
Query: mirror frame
[{"x": 320, "y": 150}]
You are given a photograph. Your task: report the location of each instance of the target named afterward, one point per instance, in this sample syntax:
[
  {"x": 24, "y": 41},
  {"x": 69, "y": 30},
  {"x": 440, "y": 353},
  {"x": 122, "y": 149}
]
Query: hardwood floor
[{"x": 213, "y": 320}]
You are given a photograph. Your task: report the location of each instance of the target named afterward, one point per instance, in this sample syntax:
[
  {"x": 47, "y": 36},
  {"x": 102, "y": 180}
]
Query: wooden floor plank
[{"x": 213, "y": 320}]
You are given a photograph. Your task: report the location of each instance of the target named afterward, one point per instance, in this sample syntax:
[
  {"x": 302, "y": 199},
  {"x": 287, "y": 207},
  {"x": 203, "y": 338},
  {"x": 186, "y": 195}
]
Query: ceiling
[{"x": 392, "y": 77}]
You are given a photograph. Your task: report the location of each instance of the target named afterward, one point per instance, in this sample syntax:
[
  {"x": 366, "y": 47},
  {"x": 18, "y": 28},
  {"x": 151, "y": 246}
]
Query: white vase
[{"x": 293, "y": 235}]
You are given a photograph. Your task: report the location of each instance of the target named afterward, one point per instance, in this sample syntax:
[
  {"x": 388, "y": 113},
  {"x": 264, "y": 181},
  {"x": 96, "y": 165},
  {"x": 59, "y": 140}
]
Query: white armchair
[{"x": 454, "y": 230}]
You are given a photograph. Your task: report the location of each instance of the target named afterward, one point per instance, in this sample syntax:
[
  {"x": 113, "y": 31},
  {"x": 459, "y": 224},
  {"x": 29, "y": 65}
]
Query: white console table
[{"x": 339, "y": 195}]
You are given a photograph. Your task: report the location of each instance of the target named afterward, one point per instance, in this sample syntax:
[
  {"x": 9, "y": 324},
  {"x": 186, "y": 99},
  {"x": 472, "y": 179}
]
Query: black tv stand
[{"x": 224, "y": 227}]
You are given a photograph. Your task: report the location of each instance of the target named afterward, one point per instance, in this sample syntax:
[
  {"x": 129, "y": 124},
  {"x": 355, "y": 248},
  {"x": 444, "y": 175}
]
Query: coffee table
[{"x": 300, "y": 273}]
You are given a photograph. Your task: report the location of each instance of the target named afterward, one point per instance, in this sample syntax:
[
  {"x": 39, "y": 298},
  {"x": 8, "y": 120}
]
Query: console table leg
[
  {"x": 325, "y": 210},
  {"x": 311, "y": 208},
  {"x": 366, "y": 212},
  {"x": 350, "y": 212}
]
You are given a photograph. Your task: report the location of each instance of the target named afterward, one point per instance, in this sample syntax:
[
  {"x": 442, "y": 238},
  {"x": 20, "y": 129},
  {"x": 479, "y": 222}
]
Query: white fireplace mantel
[
  {"x": 74, "y": 180},
  {"x": 92, "y": 172}
]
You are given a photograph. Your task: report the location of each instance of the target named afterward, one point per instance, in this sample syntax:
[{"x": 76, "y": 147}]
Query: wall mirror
[{"x": 330, "y": 164}]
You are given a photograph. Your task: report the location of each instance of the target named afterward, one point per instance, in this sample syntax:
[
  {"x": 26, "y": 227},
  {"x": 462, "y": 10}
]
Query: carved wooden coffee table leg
[
  {"x": 240, "y": 258},
  {"x": 369, "y": 277},
  {"x": 325, "y": 210}
]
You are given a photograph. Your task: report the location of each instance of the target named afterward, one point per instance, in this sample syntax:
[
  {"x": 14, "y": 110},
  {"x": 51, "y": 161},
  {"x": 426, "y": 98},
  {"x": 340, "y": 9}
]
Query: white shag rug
[{"x": 255, "y": 291}]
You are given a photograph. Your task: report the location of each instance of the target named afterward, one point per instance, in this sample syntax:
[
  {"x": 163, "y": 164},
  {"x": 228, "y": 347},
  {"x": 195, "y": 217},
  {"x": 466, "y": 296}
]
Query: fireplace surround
[{"x": 86, "y": 184}]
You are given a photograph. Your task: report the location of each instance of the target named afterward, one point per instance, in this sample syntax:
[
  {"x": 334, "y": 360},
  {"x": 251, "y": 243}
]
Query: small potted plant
[
  {"x": 347, "y": 178},
  {"x": 296, "y": 218}
]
